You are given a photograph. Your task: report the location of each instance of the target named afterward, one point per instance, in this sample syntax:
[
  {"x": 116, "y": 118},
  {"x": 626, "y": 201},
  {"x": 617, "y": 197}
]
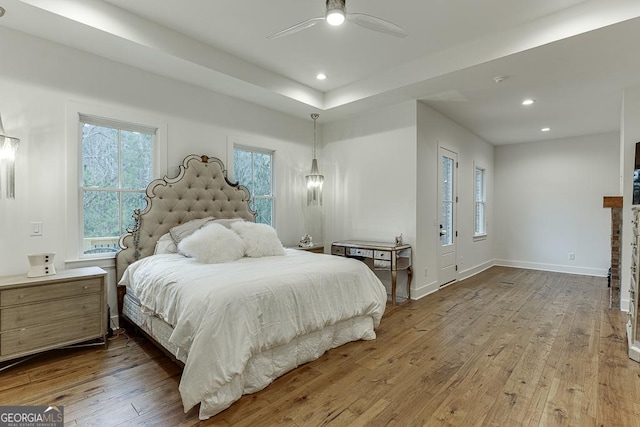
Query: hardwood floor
[{"x": 507, "y": 347}]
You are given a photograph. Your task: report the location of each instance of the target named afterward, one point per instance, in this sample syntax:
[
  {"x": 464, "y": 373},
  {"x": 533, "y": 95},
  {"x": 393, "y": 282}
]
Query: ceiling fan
[{"x": 337, "y": 13}]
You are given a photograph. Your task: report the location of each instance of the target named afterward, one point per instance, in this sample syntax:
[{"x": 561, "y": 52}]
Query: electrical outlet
[
  {"x": 426, "y": 272},
  {"x": 572, "y": 256},
  {"x": 36, "y": 229}
]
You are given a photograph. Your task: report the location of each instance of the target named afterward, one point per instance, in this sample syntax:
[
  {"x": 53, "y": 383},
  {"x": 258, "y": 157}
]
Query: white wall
[
  {"x": 383, "y": 169},
  {"x": 39, "y": 80},
  {"x": 549, "y": 203},
  {"x": 473, "y": 255},
  {"x": 370, "y": 190}
]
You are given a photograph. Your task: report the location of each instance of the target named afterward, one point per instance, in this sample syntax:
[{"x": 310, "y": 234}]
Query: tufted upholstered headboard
[{"x": 200, "y": 190}]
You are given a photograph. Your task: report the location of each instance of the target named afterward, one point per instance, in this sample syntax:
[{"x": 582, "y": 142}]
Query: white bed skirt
[{"x": 264, "y": 367}]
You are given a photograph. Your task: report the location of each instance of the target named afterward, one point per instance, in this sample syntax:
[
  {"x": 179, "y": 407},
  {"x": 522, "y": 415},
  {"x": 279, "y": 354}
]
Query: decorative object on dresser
[
  {"x": 379, "y": 256},
  {"x": 235, "y": 326},
  {"x": 41, "y": 264},
  {"x": 633, "y": 332},
  {"x": 44, "y": 313},
  {"x": 305, "y": 241}
]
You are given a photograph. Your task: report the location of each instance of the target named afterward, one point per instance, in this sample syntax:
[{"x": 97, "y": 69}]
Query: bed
[{"x": 236, "y": 325}]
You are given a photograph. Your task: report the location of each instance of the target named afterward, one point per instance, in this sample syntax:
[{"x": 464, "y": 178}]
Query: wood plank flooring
[{"x": 507, "y": 347}]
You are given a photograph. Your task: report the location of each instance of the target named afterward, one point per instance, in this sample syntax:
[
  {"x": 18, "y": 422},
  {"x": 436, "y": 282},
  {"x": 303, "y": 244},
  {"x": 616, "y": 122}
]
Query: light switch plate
[{"x": 36, "y": 229}]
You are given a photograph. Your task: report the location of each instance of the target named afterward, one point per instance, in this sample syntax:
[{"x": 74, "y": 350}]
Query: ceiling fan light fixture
[
  {"x": 335, "y": 17},
  {"x": 336, "y": 13}
]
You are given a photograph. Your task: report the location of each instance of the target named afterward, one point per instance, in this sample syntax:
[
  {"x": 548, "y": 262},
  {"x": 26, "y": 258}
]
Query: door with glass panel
[{"x": 447, "y": 204}]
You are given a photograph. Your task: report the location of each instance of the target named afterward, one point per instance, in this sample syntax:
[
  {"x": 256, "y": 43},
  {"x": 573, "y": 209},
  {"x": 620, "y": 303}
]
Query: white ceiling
[{"x": 574, "y": 57}]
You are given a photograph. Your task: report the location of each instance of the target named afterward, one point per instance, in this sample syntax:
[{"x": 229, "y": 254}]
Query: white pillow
[
  {"x": 212, "y": 244},
  {"x": 259, "y": 239},
  {"x": 165, "y": 245}
]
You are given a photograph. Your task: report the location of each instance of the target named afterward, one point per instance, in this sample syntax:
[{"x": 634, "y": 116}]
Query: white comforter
[{"x": 226, "y": 314}]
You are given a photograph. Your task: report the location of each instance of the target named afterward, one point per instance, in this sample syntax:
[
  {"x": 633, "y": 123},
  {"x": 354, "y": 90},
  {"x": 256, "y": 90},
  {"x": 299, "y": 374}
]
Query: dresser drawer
[
  {"x": 383, "y": 255},
  {"x": 53, "y": 334},
  {"x": 49, "y": 292},
  {"x": 22, "y": 316},
  {"x": 337, "y": 250}
]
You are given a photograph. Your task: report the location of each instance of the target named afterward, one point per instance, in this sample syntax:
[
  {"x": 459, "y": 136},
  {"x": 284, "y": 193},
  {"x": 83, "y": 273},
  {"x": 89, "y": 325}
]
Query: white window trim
[
  {"x": 477, "y": 166},
  {"x": 74, "y": 161},
  {"x": 258, "y": 147}
]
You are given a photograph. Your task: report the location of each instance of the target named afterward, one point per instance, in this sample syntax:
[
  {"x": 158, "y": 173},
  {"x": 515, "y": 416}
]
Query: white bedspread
[{"x": 226, "y": 314}]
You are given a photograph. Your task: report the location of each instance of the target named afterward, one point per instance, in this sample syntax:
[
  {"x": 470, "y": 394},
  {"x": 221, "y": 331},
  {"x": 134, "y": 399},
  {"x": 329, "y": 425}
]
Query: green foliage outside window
[
  {"x": 117, "y": 166},
  {"x": 253, "y": 169}
]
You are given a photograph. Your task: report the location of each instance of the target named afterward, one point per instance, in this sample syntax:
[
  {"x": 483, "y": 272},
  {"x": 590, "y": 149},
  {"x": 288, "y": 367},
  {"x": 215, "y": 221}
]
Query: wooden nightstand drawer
[
  {"x": 49, "y": 292},
  {"x": 43, "y": 313},
  {"x": 22, "y": 316},
  {"x": 52, "y": 335}
]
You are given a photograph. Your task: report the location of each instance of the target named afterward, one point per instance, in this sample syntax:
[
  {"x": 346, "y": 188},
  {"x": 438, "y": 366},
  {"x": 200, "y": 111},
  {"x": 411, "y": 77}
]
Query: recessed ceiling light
[
  {"x": 545, "y": 129},
  {"x": 321, "y": 76},
  {"x": 2, "y": 11},
  {"x": 528, "y": 102}
]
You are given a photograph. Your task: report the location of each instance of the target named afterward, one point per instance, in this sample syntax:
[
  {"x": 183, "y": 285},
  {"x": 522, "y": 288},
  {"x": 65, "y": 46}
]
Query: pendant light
[
  {"x": 314, "y": 179},
  {"x": 8, "y": 148}
]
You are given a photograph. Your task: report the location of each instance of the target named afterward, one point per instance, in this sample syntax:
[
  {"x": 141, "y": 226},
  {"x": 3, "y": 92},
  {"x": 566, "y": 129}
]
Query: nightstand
[
  {"x": 43, "y": 313},
  {"x": 318, "y": 249}
]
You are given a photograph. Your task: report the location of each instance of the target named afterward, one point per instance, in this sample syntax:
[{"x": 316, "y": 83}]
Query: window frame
[
  {"x": 482, "y": 234},
  {"x": 259, "y": 150},
  {"x": 115, "y": 114},
  {"x": 120, "y": 127}
]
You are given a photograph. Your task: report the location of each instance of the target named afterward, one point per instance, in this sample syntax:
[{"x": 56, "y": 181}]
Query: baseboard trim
[
  {"x": 423, "y": 291},
  {"x": 584, "y": 271},
  {"x": 465, "y": 274}
]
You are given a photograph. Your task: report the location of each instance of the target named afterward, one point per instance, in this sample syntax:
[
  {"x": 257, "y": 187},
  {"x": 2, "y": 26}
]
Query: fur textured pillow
[
  {"x": 212, "y": 244},
  {"x": 259, "y": 239}
]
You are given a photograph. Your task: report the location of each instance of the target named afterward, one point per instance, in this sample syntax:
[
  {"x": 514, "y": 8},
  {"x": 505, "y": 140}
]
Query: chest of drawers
[{"x": 38, "y": 314}]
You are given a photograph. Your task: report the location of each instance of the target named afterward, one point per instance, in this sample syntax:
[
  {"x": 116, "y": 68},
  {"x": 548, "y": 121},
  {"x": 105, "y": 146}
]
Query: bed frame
[{"x": 201, "y": 189}]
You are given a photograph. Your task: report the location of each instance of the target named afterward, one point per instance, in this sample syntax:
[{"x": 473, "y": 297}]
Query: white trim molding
[{"x": 585, "y": 271}]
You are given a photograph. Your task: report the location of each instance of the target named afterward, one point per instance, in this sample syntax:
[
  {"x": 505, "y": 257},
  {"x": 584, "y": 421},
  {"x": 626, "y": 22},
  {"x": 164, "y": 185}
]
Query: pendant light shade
[
  {"x": 8, "y": 148},
  {"x": 314, "y": 179}
]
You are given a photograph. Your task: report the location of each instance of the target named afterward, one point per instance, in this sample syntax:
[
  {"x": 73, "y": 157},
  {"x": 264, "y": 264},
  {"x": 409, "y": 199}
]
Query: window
[
  {"x": 253, "y": 168},
  {"x": 480, "y": 228},
  {"x": 116, "y": 167}
]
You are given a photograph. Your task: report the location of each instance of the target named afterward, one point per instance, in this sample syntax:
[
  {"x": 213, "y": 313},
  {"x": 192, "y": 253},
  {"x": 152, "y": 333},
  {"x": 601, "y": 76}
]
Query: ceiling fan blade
[
  {"x": 298, "y": 27},
  {"x": 376, "y": 24}
]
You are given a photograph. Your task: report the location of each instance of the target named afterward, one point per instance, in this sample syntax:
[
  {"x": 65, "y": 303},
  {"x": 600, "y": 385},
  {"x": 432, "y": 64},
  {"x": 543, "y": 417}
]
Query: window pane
[
  {"x": 262, "y": 164},
  {"x": 101, "y": 229},
  {"x": 243, "y": 168},
  {"x": 264, "y": 209},
  {"x": 447, "y": 179},
  {"x": 99, "y": 156},
  {"x": 137, "y": 160},
  {"x": 131, "y": 202},
  {"x": 447, "y": 223}
]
